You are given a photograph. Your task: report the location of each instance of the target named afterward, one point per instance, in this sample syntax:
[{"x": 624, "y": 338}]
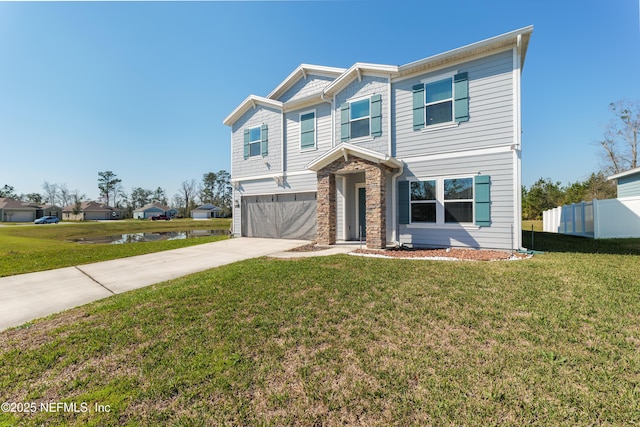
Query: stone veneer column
[
  {"x": 376, "y": 207},
  {"x": 326, "y": 208}
]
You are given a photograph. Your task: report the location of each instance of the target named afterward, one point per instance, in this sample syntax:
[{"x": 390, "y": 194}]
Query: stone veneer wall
[{"x": 375, "y": 183}]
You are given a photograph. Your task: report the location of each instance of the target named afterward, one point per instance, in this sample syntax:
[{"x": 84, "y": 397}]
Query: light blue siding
[
  {"x": 257, "y": 165},
  {"x": 500, "y": 168},
  {"x": 490, "y": 111},
  {"x": 306, "y": 87},
  {"x": 368, "y": 86},
  {"x": 629, "y": 186},
  {"x": 297, "y": 159}
]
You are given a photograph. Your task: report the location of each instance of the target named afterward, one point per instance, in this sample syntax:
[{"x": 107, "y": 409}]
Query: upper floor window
[
  {"x": 361, "y": 118},
  {"x": 440, "y": 100},
  {"x": 255, "y": 141},
  {"x": 307, "y": 130}
]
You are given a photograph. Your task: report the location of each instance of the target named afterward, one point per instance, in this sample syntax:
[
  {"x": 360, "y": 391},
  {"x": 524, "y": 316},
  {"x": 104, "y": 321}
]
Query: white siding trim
[
  {"x": 517, "y": 148},
  {"x": 270, "y": 176}
]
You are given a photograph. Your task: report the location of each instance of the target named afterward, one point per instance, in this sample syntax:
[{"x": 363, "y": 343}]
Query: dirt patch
[
  {"x": 311, "y": 247},
  {"x": 447, "y": 254}
]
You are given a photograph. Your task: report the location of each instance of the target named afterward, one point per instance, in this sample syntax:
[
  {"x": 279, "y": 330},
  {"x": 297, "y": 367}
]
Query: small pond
[{"x": 118, "y": 239}]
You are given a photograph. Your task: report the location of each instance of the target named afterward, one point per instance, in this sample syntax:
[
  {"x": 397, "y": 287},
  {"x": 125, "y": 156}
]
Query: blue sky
[{"x": 141, "y": 88}]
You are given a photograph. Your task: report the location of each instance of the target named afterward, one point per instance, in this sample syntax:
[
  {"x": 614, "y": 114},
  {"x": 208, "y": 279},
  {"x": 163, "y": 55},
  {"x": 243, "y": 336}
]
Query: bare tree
[
  {"x": 51, "y": 192},
  {"x": 619, "y": 148},
  {"x": 188, "y": 193},
  {"x": 64, "y": 198}
]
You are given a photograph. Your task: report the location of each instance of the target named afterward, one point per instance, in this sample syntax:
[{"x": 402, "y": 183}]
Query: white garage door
[
  {"x": 200, "y": 215},
  {"x": 19, "y": 216},
  {"x": 284, "y": 216}
]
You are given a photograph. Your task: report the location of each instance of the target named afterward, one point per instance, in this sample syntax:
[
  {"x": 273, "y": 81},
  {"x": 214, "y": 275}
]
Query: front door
[{"x": 362, "y": 212}]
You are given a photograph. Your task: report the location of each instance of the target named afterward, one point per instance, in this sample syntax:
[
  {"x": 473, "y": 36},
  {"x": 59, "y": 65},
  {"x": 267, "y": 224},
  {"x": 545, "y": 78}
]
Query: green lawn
[
  {"x": 342, "y": 340},
  {"x": 28, "y": 248}
]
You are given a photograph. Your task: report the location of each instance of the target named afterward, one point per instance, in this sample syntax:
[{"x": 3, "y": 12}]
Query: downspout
[
  {"x": 389, "y": 115},
  {"x": 394, "y": 207},
  {"x": 282, "y": 121},
  {"x": 517, "y": 147}
]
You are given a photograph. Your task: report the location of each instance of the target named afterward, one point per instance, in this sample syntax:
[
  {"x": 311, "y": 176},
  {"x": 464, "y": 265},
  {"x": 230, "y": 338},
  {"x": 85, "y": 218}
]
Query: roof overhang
[
  {"x": 517, "y": 38},
  {"x": 251, "y": 101},
  {"x": 356, "y": 71},
  {"x": 302, "y": 72},
  {"x": 345, "y": 150},
  {"x": 624, "y": 174}
]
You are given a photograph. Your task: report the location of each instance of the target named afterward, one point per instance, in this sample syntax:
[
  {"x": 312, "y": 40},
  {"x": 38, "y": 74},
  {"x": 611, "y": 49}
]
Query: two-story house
[{"x": 426, "y": 154}]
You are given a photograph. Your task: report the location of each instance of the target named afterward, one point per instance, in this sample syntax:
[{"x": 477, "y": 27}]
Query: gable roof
[
  {"x": 625, "y": 174},
  {"x": 301, "y": 72},
  {"x": 345, "y": 149},
  {"x": 6, "y": 203},
  {"x": 250, "y": 101},
  {"x": 207, "y": 207},
  {"x": 153, "y": 206},
  {"x": 518, "y": 39},
  {"x": 90, "y": 206}
]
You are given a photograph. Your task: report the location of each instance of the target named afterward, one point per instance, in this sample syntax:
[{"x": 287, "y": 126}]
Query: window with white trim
[
  {"x": 423, "y": 201},
  {"x": 441, "y": 201},
  {"x": 359, "y": 118},
  {"x": 307, "y": 130},
  {"x": 255, "y": 140},
  {"x": 458, "y": 200},
  {"x": 438, "y": 102}
]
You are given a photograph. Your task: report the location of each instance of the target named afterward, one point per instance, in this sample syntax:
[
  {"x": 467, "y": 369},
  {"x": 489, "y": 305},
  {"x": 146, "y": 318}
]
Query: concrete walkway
[{"x": 25, "y": 297}]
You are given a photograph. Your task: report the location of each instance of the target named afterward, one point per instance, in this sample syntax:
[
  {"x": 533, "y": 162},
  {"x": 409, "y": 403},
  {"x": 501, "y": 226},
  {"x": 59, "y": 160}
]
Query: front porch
[{"x": 363, "y": 174}]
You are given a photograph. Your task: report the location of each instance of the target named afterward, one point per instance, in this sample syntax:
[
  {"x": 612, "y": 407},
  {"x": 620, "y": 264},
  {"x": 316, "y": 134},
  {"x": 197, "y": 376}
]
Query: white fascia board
[
  {"x": 302, "y": 71},
  {"x": 307, "y": 101},
  {"x": 623, "y": 174},
  {"x": 353, "y": 71},
  {"x": 497, "y": 42},
  {"x": 350, "y": 149},
  {"x": 250, "y": 101}
]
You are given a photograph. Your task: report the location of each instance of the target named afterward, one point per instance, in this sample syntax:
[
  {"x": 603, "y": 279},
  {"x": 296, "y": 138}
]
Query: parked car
[
  {"x": 160, "y": 218},
  {"x": 47, "y": 220}
]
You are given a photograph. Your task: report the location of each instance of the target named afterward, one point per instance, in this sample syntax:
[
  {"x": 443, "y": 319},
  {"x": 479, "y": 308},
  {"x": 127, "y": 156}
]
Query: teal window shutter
[
  {"x": 264, "y": 140},
  {"x": 246, "y": 144},
  {"x": 344, "y": 122},
  {"x": 376, "y": 115},
  {"x": 461, "y": 93},
  {"x": 418, "y": 107},
  {"x": 482, "y": 198},
  {"x": 403, "y": 202}
]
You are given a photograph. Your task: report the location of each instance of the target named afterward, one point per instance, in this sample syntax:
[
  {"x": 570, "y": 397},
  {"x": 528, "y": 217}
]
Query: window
[
  {"x": 423, "y": 201},
  {"x": 458, "y": 200},
  {"x": 307, "y": 130},
  {"x": 254, "y": 142},
  {"x": 438, "y": 102},
  {"x": 359, "y": 118},
  {"x": 441, "y": 201},
  {"x": 441, "y": 100}
]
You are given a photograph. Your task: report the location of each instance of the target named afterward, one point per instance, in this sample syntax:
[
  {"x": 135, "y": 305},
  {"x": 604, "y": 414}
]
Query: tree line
[{"x": 214, "y": 188}]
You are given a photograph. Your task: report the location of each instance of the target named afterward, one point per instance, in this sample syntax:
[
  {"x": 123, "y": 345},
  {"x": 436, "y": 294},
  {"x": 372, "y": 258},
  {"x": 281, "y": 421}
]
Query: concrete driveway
[{"x": 25, "y": 297}]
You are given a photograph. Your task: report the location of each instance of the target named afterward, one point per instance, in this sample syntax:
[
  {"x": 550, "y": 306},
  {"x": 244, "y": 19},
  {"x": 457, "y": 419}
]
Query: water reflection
[{"x": 118, "y": 239}]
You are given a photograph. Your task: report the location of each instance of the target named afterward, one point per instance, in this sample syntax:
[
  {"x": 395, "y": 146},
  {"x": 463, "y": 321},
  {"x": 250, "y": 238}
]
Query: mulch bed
[{"x": 450, "y": 253}]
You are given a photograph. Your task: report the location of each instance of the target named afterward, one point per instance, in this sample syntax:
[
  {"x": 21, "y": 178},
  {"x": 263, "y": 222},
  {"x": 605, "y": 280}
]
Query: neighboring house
[
  {"x": 12, "y": 210},
  {"x": 48, "y": 210},
  {"x": 90, "y": 211},
  {"x": 206, "y": 211},
  {"x": 628, "y": 183},
  {"x": 154, "y": 209},
  {"x": 425, "y": 154}
]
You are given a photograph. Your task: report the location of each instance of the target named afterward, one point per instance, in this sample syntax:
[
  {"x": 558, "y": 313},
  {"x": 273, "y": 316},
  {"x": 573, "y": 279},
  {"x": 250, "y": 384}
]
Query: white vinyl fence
[{"x": 599, "y": 219}]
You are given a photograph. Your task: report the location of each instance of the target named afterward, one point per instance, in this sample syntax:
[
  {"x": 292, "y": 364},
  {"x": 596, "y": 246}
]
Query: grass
[
  {"x": 29, "y": 248},
  {"x": 347, "y": 340}
]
